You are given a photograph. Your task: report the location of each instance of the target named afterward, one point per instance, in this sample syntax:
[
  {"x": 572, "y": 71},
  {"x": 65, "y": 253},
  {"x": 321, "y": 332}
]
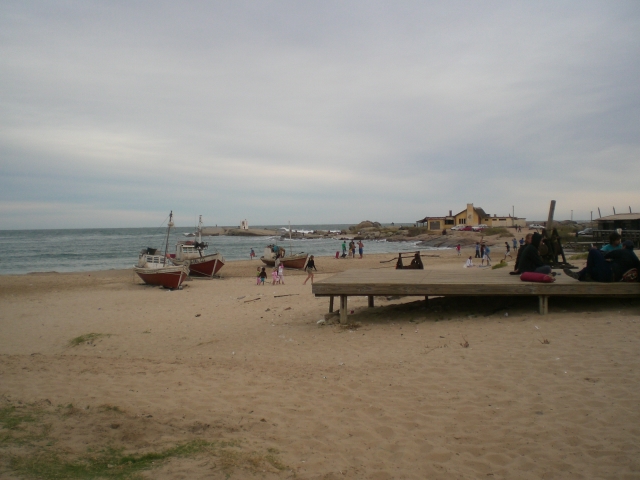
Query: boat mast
[
  {"x": 200, "y": 230},
  {"x": 166, "y": 244},
  {"x": 290, "y": 251}
]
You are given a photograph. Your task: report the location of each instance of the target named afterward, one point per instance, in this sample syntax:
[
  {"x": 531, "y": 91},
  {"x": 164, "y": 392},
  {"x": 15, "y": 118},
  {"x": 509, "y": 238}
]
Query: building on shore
[
  {"x": 625, "y": 221},
  {"x": 471, "y": 216}
]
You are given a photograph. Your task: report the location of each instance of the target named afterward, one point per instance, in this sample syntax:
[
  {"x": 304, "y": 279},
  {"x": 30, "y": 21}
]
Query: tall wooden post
[{"x": 552, "y": 209}]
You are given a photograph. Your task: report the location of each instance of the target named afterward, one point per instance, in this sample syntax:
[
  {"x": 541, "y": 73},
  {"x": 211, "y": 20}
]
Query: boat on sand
[
  {"x": 190, "y": 254},
  {"x": 273, "y": 253},
  {"x": 152, "y": 266}
]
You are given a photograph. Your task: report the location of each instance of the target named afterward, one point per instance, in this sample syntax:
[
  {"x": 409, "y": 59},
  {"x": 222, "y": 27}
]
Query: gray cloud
[{"x": 113, "y": 113}]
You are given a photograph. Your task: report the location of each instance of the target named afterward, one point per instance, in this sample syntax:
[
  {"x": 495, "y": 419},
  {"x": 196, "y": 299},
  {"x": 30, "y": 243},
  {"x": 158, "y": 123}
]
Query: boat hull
[
  {"x": 297, "y": 262},
  {"x": 167, "y": 277},
  {"x": 205, "y": 266}
]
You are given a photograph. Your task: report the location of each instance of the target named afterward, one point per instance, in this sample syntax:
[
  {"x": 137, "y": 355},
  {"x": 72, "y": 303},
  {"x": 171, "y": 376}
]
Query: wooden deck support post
[
  {"x": 331, "y": 304},
  {"x": 343, "y": 309},
  {"x": 543, "y": 304},
  {"x": 370, "y": 301}
]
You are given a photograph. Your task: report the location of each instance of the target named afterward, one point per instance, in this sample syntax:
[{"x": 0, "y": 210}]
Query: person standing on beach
[
  {"x": 360, "y": 247},
  {"x": 311, "y": 266},
  {"x": 252, "y": 254},
  {"x": 344, "y": 248},
  {"x": 281, "y": 273},
  {"x": 263, "y": 276},
  {"x": 458, "y": 249},
  {"x": 258, "y": 276},
  {"x": 515, "y": 244},
  {"x": 482, "y": 247},
  {"x": 478, "y": 250},
  {"x": 508, "y": 252},
  {"x": 485, "y": 256}
]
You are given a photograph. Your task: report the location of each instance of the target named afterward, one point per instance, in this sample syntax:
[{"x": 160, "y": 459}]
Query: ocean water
[{"x": 77, "y": 250}]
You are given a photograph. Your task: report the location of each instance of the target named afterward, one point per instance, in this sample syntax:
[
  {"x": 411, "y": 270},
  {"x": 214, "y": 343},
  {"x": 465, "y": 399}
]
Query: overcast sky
[{"x": 113, "y": 113}]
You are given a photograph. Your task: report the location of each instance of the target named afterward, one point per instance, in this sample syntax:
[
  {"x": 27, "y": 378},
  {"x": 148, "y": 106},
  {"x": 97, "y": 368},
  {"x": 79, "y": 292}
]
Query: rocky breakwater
[{"x": 251, "y": 232}]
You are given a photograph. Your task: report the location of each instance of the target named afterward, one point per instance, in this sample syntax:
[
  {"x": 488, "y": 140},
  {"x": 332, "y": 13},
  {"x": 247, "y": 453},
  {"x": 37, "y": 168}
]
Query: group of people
[
  {"x": 277, "y": 273},
  {"x": 612, "y": 263},
  {"x": 483, "y": 252},
  {"x": 352, "y": 249},
  {"x": 616, "y": 261}
]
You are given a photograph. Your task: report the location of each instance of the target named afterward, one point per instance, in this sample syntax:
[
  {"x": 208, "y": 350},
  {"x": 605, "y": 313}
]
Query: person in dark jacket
[
  {"x": 530, "y": 260},
  {"x": 311, "y": 266},
  {"x": 607, "y": 267},
  {"x": 525, "y": 241}
]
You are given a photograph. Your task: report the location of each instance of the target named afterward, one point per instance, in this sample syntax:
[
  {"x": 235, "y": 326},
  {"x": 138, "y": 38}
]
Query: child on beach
[
  {"x": 281, "y": 274},
  {"x": 262, "y": 276},
  {"x": 258, "y": 276},
  {"x": 469, "y": 263},
  {"x": 458, "y": 249},
  {"x": 274, "y": 276}
]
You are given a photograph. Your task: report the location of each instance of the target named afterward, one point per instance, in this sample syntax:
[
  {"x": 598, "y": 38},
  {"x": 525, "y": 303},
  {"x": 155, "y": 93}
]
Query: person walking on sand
[
  {"x": 274, "y": 276},
  {"x": 252, "y": 254},
  {"x": 311, "y": 266},
  {"x": 360, "y": 247},
  {"x": 515, "y": 244},
  {"x": 508, "y": 252},
  {"x": 458, "y": 249},
  {"x": 281, "y": 274},
  {"x": 263, "y": 276},
  {"x": 485, "y": 256},
  {"x": 258, "y": 276},
  {"x": 344, "y": 248}
]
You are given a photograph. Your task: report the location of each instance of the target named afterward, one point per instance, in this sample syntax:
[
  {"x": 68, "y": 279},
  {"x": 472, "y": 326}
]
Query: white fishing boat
[{"x": 152, "y": 266}]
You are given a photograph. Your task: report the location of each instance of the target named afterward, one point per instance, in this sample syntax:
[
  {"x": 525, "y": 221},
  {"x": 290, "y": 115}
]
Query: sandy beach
[{"x": 226, "y": 379}]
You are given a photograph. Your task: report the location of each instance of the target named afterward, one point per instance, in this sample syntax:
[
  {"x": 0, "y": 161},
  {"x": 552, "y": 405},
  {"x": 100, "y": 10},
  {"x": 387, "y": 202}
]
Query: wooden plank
[{"x": 487, "y": 282}]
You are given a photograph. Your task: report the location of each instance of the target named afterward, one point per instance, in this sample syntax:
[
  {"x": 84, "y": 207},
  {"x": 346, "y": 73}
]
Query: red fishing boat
[
  {"x": 153, "y": 270},
  {"x": 190, "y": 254}
]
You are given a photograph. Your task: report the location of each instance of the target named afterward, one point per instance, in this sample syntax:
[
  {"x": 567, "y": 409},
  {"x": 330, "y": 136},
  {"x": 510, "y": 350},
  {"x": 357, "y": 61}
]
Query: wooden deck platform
[{"x": 466, "y": 282}]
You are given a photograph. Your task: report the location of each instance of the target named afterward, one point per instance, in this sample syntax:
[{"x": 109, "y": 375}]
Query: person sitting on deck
[
  {"x": 529, "y": 260},
  {"x": 417, "y": 262},
  {"x": 614, "y": 243},
  {"x": 556, "y": 245},
  {"x": 607, "y": 267},
  {"x": 525, "y": 241}
]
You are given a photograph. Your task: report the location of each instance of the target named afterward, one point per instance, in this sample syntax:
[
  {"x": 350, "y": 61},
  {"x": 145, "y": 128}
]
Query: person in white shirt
[{"x": 469, "y": 263}]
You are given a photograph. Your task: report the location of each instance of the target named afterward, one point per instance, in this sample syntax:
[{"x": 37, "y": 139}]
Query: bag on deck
[{"x": 537, "y": 277}]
